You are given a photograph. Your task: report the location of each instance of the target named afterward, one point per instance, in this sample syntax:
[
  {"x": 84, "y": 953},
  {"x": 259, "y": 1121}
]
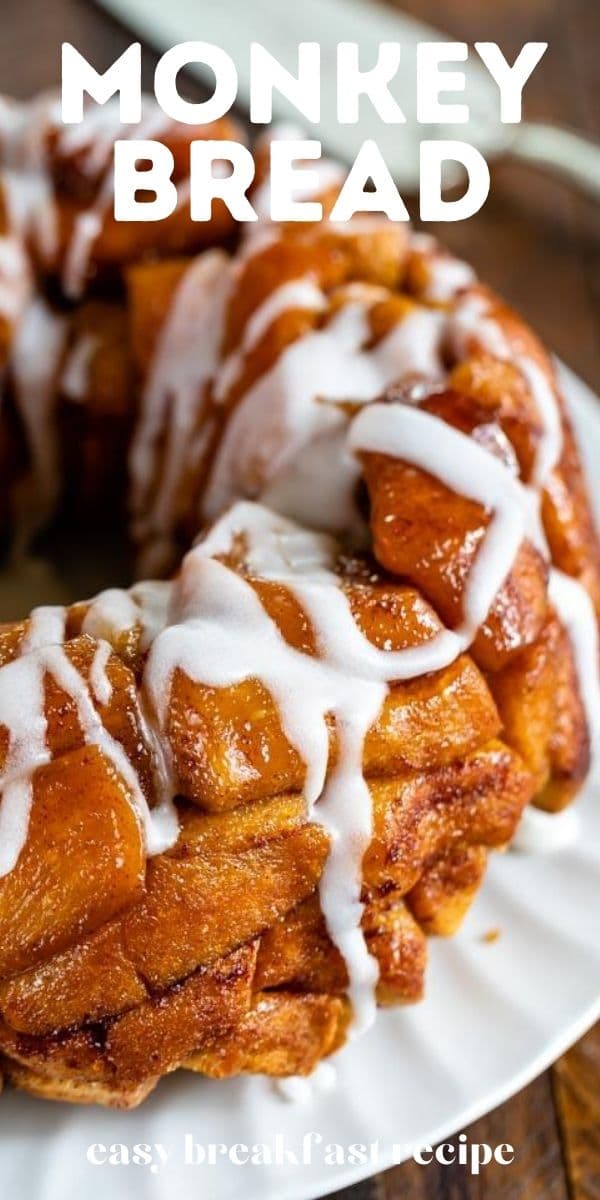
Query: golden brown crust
[
  {"x": 282, "y": 1034},
  {"x": 75, "y": 1090}
]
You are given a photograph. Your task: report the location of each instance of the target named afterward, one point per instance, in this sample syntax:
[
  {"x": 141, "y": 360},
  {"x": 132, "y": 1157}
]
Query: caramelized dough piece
[
  {"x": 444, "y": 893},
  {"x": 74, "y": 1090},
  {"x": 278, "y": 263},
  {"x": 539, "y": 701},
  {"x": 82, "y": 813},
  {"x": 499, "y": 390},
  {"x": 149, "y": 1041},
  {"x": 398, "y": 944},
  {"x": 98, "y": 409},
  {"x": 121, "y": 243},
  {"x": 519, "y": 337},
  {"x": 282, "y": 1034},
  {"x": 215, "y": 954},
  {"x": 151, "y": 289},
  {"x": 569, "y": 521},
  {"x": 267, "y": 855},
  {"x": 77, "y": 173},
  {"x": 429, "y": 722},
  {"x": 197, "y": 907},
  {"x": 491, "y": 391},
  {"x": 430, "y": 535},
  {"x": 266, "y": 860},
  {"x": 82, "y": 863},
  {"x": 228, "y": 744},
  {"x": 11, "y": 638},
  {"x": 120, "y": 717},
  {"x": 75, "y": 1054},
  {"x": 107, "y": 378},
  {"x": 331, "y": 259},
  {"x": 416, "y": 815},
  {"x": 229, "y": 747},
  {"x": 92, "y": 979},
  {"x": 155, "y": 1038},
  {"x": 297, "y": 952},
  {"x": 478, "y": 800}
]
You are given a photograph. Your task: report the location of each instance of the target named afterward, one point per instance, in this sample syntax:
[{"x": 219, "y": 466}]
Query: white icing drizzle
[
  {"x": 92, "y": 139},
  {"x": 446, "y": 275},
  {"x": 46, "y": 627},
  {"x": 469, "y": 469},
  {"x": 282, "y": 441},
  {"x": 262, "y": 451},
  {"x": 115, "y": 611},
  {"x": 75, "y": 376},
  {"x": 184, "y": 365},
  {"x": 100, "y": 684},
  {"x": 273, "y": 547},
  {"x": 31, "y": 208},
  {"x": 290, "y": 442},
  {"x": 220, "y": 634},
  {"x": 285, "y": 411},
  {"x": 298, "y": 293},
  {"x": 276, "y": 448},
  {"x": 308, "y": 489},
  {"x": 465, "y": 467},
  {"x": 110, "y": 613},
  {"x": 27, "y": 182},
  {"x": 36, "y": 354},
  {"x": 87, "y": 228},
  {"x": 300, "y": 1089},
  {"x": 144, "y": 608},
  {"x": 576, "y": 611},
  {"x": 471, "y": 319},
  {"x": 22, "y": 713},
  {"x": 11, "y": 123},
  {"x": 15, "y": 279},
  {"x": 88, "y": 225}
]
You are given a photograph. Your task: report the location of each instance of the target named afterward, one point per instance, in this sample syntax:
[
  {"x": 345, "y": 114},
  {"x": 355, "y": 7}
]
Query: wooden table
[{"x": 539, "y": 245}]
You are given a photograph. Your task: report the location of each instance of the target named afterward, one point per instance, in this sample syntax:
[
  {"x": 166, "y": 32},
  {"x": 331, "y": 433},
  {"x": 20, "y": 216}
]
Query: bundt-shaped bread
[
  {"x": 234, "y": 803},
  {"x": 303, "y": 764}
]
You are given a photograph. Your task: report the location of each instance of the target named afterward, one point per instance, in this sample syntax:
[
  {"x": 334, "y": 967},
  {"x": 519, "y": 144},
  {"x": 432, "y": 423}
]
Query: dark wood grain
[
  {"x": 576, "y": 1078},
  {"x": 539, "y": 244},
  {"x": 528, "y": 1122}
]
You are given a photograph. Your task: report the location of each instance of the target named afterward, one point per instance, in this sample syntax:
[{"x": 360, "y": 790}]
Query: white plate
[{"x": 496, "y": 1014}]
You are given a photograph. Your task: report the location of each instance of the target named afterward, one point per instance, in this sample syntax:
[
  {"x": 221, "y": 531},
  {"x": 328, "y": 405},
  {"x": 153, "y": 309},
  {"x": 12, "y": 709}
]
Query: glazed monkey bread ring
[{"x": 236, "y": 801}]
